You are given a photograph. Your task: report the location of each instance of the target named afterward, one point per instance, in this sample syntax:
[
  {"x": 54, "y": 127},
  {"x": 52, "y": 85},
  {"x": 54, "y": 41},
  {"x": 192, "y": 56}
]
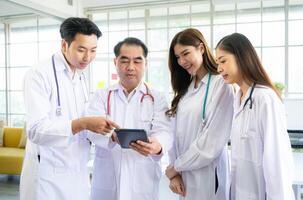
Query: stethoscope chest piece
[
  {"x": 203, "y": 123},
  {"x": 58, "y": 111}
]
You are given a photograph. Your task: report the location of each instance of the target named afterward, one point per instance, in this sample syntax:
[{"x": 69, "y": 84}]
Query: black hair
[
  {"x": 73, "y": 25},
  {"x": 130, "y": 41}
]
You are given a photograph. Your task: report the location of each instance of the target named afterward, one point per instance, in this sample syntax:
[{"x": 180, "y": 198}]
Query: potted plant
[{"x": 280, "y": 87}]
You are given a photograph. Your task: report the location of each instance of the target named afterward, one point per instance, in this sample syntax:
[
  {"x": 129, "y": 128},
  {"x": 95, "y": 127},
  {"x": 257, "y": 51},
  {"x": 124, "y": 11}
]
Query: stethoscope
[
  {"x": 84, "y": 87},
  {"x": 245, "y": 121},
  {"x": 203, "y": 121},
  {"x": 250, "y": 97},
  {"x": 144, "y": 95},
  {"x": 205, "y": 99}
]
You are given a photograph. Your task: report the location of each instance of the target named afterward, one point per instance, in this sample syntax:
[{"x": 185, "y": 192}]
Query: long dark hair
[
  {"x": 247, "y": 60},
  {"x": 180, "y": 78}
]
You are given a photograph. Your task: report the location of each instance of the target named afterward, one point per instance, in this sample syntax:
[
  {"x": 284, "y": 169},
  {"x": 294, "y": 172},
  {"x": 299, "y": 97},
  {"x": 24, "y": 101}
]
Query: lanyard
[{"x": 205, "y": 98}]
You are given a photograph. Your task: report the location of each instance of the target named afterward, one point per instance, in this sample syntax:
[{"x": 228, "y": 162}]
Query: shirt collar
[
  {"x": 118, "y": 86},
  {"x": 238, "y": 105},
  {"x": 65, "y": 66},
  {"x": 121, "y": 90},
  {"x": 202, "y": 82}
]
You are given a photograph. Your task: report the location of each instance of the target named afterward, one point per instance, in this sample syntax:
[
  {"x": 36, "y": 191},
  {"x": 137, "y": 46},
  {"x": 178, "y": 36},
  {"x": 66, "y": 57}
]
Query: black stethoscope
[
  {"x": 250, "y": 97},
  {"x": 245, "y": 121},
  {"x": 84, "y": 88},
  {"x": 144, "y": 95}
]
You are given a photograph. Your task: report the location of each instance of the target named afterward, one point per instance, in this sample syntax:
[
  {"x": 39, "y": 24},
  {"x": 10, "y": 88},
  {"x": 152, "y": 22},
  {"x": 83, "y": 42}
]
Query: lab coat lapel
[{"x": 238, "y": 105}]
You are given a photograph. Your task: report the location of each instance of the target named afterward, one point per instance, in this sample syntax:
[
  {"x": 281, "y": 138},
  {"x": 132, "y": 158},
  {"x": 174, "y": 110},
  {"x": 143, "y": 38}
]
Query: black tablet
[{"x": 126, "y": 136}]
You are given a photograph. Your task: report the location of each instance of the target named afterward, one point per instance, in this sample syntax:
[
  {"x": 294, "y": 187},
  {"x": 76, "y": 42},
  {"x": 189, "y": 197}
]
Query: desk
[
  {"x": 296, "y": 138},
  {"x": 298, "y": 174}
]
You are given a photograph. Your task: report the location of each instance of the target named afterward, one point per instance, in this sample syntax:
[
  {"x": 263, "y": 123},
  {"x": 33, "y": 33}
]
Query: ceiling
[
  {"x": 9, "y": 9},
  {"x": 108, "y": 3}
]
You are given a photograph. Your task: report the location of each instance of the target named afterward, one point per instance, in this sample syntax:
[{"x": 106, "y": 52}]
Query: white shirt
[
  {"x": 261, "y": 158},
  {"x": 124, "y": 174},
  {"x": 198, "y": 150}
]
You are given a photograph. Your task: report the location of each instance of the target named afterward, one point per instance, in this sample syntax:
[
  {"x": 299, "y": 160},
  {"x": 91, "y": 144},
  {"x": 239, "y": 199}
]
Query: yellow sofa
[{"x": 11, "y": 155}]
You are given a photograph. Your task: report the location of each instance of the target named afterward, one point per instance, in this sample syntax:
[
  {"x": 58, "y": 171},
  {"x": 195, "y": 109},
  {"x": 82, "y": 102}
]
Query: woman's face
[
  {"x": 189, "y": 57},
  {"x": 227, "y": 67}
]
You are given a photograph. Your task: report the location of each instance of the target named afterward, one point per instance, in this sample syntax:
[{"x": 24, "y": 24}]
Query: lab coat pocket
[
  {"x": 147, "y": 126},
  {"x": 146, "y": 177},
  {"x": 251, "y": 147},
  {"x": 50, "y": 183},
  {"x": 240, "y": 194},
  {"x": 146, "y": 118},
  {"x": 146, "y": 122},
  {"x": 104, "y": 173}
]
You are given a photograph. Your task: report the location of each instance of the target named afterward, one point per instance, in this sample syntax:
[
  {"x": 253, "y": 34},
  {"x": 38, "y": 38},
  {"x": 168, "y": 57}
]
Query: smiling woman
[{"x": 201, "y": 111}]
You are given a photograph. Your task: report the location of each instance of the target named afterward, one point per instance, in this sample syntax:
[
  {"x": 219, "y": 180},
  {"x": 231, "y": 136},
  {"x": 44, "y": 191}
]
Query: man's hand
[
  {"x": 153, "y": 147},
  {"x": 177, "y": 186},
  {"x": 170, "y": 172},
  {"x": 99, "y": 125},
  {"x": 115, "y": 137}
]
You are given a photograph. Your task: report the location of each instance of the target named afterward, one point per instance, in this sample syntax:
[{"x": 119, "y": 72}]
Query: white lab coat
[
  {"x": 61, "y": 173},
  {"x": 199, "y": 152},
  {"x": 261, "y": 158},
  {"x": 124, "y": 174}
]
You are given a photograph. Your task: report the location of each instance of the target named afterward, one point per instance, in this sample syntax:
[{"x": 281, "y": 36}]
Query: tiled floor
[{"x": 9, "y": 187}]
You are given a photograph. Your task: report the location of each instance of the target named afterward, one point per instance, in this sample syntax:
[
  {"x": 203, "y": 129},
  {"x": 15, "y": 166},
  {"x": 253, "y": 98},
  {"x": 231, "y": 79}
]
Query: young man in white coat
[
  {"x": 55, "y": 95},
  {"x": 128, "y": 174}
]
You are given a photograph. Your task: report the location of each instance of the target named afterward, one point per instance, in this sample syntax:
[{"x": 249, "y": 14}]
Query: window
[
  {"x": 30, "y": 40},
  {"x": 295, "y": 41},
  {"x": 263, "y": 22},
  {"x": 2, "y": 74},
  {"x": 272, "y": 31}
]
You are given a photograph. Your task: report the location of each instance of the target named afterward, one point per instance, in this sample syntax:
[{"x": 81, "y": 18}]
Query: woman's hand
[
  {"x": 177, "y": 186},
  {"x": 170, "y": 172}
]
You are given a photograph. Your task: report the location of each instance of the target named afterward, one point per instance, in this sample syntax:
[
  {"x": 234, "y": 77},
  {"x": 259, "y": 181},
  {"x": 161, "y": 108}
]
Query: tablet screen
[{"x": 126, "y": 136}]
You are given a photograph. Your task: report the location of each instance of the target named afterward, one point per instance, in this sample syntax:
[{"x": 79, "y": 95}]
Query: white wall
[{"x": 294, "y": 113}]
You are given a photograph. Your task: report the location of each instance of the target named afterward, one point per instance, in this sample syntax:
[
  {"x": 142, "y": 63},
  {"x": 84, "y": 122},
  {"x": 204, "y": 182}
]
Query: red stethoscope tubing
[{"x": 141, "y": 100}]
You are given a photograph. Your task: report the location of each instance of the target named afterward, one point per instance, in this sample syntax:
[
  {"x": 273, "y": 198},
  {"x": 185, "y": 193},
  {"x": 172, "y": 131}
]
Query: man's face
[
  {"x": 81, "y": 51},
  {"x": 130, "y": 65}
]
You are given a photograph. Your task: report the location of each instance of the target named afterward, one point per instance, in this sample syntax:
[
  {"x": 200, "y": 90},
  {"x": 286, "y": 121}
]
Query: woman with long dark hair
[
  {"x": 261, "y": 159},
  {"x": 201, "y": 112}
]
